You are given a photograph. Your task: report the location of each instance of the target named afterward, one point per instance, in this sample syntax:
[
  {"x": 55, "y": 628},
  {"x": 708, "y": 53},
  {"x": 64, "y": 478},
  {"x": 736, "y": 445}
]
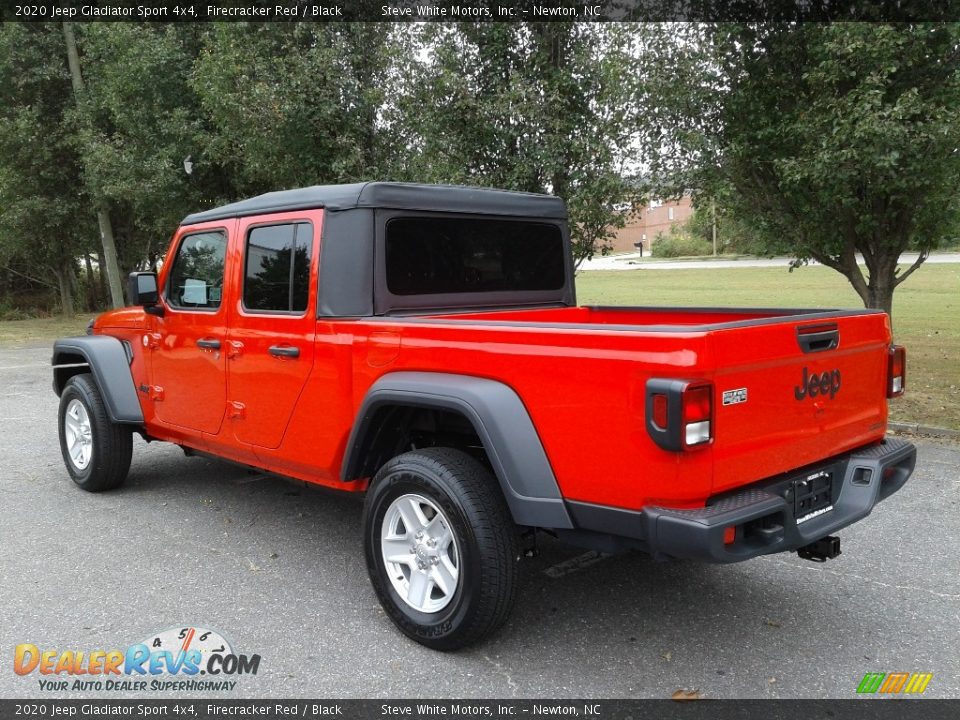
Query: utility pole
[{"x": 103, "y": 216}]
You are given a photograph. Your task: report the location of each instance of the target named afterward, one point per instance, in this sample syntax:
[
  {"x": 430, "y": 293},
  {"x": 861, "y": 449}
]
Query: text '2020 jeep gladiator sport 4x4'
[{"x": 423, "y": 344}]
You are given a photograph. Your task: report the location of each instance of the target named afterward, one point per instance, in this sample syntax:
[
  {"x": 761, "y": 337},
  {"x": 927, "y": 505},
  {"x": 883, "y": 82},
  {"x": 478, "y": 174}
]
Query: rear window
[
  {"x": 430, "y": 256},
  {"x": 277, "y": 268}
]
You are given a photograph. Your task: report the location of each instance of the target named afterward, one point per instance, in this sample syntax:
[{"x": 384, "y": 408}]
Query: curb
[{"x": 917, "y": 429}]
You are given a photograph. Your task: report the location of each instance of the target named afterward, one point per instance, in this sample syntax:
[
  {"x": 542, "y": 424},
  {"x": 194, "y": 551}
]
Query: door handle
[
  {"x": 284, "y": 351},
  {"x": 816, "y": 338},
  {"x": 208, "y": 344}
]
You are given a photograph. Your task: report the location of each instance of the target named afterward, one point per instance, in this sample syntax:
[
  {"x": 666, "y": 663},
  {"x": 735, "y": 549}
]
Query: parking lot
[{"x": 277, "y": 569}]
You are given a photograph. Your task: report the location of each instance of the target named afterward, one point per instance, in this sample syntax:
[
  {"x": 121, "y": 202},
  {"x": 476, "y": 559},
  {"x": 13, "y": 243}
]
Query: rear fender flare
[
  {"x": 501, "y": 422},
  {"x": 109, "y": 363}
]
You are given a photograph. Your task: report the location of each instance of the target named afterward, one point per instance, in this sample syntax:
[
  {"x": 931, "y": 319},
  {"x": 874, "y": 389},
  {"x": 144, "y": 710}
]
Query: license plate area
[{"x": 812, "y": 495}]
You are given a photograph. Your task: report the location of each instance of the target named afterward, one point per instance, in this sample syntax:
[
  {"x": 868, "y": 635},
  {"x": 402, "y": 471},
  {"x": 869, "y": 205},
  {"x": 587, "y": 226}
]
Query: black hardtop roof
[{"x": 399, "y": 196}]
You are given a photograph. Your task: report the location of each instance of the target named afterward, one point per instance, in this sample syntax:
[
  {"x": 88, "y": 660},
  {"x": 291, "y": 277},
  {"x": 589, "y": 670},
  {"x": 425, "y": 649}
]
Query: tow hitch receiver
[{"x": 824, "y": 549}]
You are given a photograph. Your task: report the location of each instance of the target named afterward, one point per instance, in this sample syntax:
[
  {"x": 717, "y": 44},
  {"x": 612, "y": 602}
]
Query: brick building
[{"x": 656, "y": 217}]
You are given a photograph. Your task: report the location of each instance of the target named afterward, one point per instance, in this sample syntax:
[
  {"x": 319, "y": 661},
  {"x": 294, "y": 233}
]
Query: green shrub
[
  {"x": 678, "y": 245},
  {"x": 11, "y": 312},
  {"x": 26, "y": 306}
]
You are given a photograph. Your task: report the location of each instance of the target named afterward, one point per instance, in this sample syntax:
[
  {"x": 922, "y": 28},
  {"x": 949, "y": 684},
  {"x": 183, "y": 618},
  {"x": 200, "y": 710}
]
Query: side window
[
  {"x": 276, "y": 275},
  {"x": 196, "y": 279}
]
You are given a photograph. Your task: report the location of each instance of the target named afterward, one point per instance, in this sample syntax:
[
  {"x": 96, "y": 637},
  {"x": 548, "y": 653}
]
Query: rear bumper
[{"x": 764, "y": 514}]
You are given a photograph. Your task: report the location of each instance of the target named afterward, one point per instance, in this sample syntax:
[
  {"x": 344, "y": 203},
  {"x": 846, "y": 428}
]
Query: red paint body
[{"x": 583, "y": 386}]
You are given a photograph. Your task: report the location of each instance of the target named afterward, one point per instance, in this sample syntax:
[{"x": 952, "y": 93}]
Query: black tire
[
  {"x": 110, "y": 446},
  {"x": 472, "y": 503}
]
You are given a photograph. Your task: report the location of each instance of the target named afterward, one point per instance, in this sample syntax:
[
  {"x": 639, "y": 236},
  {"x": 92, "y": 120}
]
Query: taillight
[
  {"x": 679, "y": 413},
  {"x": 896, "y": 371},
  {"x": 660, "y": 414},
  {"x": 697, "y": 401}
]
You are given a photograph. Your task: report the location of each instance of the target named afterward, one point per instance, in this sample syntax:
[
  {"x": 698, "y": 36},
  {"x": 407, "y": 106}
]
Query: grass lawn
[
  {"x": 926, "y": 316},
  {"x": 21, "y": 333}
]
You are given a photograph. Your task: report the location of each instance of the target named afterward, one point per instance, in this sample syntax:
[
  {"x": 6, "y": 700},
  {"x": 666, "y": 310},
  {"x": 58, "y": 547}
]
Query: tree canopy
[
  {"x": 830, "y": 141},
  {"x": 44, "y": 206},
  {"x": 826, "y": 141},
  {"x": 533, "y": 107},
  {"x": 254, "y": 107}
]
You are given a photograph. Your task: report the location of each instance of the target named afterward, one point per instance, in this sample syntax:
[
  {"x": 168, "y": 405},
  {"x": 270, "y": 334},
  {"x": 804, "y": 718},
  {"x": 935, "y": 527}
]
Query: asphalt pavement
[{"x": 276, "y": 568}]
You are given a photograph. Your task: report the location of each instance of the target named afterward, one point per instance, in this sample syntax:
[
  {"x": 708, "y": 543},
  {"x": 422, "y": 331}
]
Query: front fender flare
[
  {"x": 501, "y": 421},
  {"x": 110, "y": 366}
]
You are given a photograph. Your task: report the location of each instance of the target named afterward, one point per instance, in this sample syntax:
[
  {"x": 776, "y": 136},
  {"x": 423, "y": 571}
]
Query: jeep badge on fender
[{"x": 826, "y": 383}]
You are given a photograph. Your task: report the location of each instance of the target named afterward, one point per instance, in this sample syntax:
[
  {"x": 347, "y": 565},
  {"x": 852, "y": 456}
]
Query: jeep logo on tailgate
[{"x": 826, "y": 383}]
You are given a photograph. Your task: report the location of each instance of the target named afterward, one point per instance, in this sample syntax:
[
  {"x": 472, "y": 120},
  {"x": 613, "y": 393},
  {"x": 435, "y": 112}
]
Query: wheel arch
[
  {"x": 108, "y": 361},
  {"x": 497, "y": 416}
]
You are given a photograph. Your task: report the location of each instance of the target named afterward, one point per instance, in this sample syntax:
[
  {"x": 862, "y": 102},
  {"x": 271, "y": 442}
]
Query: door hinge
[
  {"x": 234, "y": 349},
  {"x": 236, "y": 410},
  {"x": 155, "y": 393},
  {"x": 151, "y": 340}
]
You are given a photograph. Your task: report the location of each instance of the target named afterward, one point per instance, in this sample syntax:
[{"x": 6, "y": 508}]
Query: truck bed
[
  {"x": 582, "y": 374},
  {"x": 648, "y": 318}
]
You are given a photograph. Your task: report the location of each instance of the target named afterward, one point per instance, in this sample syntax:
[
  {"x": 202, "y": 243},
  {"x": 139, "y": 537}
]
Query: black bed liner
[{"x": 766, "y": 316}]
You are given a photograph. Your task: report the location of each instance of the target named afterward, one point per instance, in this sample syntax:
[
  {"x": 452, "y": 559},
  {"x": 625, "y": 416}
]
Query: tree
[
  {"x": 288, "y": 105},
  {"x": 136, "y": 121},
  {"x": 45, "y": 223},
  {"x": 536, "y": 107},
  {"x": 732, "y": 234},
  {"x": 112, "y": 267},
  {"x": 836, "y": 139}
]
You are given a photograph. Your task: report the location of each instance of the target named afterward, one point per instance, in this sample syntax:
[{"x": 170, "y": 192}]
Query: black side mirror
[{"x": 142, "y": 288}]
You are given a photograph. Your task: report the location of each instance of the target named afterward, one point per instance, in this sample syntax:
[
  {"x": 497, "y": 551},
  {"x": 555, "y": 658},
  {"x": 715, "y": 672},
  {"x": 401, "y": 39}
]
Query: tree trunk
[
  {"x": 66, "y": 292},
  {"x": 110, "y": 255},
  {"x": 882, "y": 280},
  {"x": 876, "y": 290},
  {"x": 92, "y": 300},
  {"x": 368, "y": 113},
  {"x": 880, "y": 293},
  {"x": 103, "y": 216},
  {"x": 101, "y": 275}
]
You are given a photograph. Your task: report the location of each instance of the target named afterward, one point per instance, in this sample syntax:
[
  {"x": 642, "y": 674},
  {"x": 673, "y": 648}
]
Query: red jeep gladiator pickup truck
[{"x": 423, "y": 344}]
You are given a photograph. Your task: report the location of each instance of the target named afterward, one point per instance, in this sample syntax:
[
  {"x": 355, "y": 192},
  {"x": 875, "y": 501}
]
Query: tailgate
[{"x": 795, "y": 392}]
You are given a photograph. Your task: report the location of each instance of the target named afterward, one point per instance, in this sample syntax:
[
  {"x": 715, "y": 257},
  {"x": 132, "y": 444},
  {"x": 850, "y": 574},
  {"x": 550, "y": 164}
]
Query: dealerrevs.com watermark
[{"x": 180, "y": 659}]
